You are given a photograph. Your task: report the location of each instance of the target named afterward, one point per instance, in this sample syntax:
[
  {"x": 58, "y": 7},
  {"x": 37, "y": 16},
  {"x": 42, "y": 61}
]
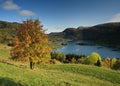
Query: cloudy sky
[{"x": 56, "y": 15}]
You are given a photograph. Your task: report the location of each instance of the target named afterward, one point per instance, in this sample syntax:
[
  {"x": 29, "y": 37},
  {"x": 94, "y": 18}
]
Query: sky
[{"x": 56, "y": 15}]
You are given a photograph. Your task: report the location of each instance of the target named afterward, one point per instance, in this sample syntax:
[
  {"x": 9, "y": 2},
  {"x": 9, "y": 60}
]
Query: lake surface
[{"x": 73, "y": 47}]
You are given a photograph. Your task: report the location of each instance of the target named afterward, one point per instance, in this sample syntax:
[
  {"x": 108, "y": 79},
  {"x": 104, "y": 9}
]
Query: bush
[
  {"x": 93, "y": 58},
  {"x": 58, "y": 56},
  {"x": 82, "y": 60},
  {"x": 107, "y": 62},
  {"x": 73, "y": 57},
  {"x": 116, "y": 66},
  {"x": 113, "y": 61},
  {"x": 98, "y": 63},
  {"x": 54, "y": 61}
]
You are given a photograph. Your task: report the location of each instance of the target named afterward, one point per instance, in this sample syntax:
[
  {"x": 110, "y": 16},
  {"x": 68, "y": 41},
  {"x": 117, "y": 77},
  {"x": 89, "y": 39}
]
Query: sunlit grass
[
  {"x": 4, "y": 51},
  {"x": 61, "y": 75}
]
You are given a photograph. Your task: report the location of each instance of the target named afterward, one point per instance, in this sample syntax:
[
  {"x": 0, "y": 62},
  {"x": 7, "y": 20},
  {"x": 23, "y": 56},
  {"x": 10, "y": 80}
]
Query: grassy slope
[
  {"x": 56, "y": 75},
  {"x": 4, "y": 51}
]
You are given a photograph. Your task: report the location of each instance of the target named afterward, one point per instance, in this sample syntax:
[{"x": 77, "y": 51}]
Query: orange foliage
[
  {"x": 31, "y": 42},
  {"x": 107, "y": 63}
]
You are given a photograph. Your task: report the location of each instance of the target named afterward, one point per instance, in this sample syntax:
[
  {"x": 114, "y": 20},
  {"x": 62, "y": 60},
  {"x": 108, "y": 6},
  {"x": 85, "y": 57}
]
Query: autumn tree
[
  {"x": 107, "y": 62},
  {"x": 31, "y": 43}
]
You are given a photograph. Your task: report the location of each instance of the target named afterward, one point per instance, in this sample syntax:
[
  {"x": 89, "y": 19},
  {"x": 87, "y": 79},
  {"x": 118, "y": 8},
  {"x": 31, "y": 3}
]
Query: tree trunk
[{"x": 31, "y": 65}]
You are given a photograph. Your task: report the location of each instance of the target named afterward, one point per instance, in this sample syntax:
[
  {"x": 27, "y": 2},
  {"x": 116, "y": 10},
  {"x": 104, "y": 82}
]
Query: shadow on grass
[{"x": 4, "y": 81}]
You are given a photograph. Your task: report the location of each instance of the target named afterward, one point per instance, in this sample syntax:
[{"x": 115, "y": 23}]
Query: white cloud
[
  {"x": 26, "y": 13},
  {"x": 116, "y": 18},
  {"x": 9, "y": 5}
]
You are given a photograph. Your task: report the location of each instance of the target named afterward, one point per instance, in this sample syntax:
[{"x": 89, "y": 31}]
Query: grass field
[
  {"x": 4, "y": 51},
  {"x": 55, "y": 75}
]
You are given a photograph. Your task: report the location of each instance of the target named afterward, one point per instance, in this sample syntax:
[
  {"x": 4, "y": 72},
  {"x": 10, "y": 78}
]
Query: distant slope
[
  {"x": 8, "y": 31},
  {"x": 5, "y": 24},
  {"x": 107, "y": 33}
]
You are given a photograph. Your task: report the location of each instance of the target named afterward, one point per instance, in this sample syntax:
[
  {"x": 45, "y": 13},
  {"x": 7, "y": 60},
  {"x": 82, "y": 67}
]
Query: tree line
[{"x": 93, "y": 59}]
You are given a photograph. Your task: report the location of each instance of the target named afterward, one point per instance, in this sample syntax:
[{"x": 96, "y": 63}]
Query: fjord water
[{"x": 73, "y": 47}]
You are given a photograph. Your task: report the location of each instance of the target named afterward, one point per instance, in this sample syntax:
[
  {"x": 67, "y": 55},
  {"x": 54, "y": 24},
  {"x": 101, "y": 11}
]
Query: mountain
[{"x": 107, "y": 33}]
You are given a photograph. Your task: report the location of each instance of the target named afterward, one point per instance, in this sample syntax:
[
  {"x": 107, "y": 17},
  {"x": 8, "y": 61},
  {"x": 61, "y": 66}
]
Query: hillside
[
  {"x": 58, "y": 75},
  {"x": 18, "y": 74},
  {"x": 5, "y": 24},
  {"x": 8, "y": 31},
  {"x": 107, "y": 33}
]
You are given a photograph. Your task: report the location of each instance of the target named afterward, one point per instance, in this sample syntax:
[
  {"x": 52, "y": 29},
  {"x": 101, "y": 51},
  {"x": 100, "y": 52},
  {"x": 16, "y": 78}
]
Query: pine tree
[{"x": 31, "y": 43}]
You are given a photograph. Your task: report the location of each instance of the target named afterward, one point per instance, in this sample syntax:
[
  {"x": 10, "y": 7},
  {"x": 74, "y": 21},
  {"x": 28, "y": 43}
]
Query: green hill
[
  {"x": 5, "y": 24},
  {"x": 18, "y": 74},
  {"x": 8, "y": 31}
]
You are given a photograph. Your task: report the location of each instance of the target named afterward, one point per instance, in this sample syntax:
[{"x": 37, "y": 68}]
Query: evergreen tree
[{"x": 31, "y": 43}]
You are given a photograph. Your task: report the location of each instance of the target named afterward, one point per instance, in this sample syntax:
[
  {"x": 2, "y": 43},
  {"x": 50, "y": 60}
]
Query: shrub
[
  {"x": 70, "y": 57},
  {"x": 98, "y": 63},
  {"x": 116, "y": 66},
  {"x": 73, "y": 60},
  {"x": 58, "y": 56},
  {"x": 54, "y": 61},
  {"x": 113, "y": 61},
  {"x": 82, "y": 60},
  {"x": 93, "y": 58},
  {"x": 107, "y": 62}
]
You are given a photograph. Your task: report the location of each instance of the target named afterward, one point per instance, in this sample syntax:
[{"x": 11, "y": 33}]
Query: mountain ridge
[{"x": 107, "y": 33}]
